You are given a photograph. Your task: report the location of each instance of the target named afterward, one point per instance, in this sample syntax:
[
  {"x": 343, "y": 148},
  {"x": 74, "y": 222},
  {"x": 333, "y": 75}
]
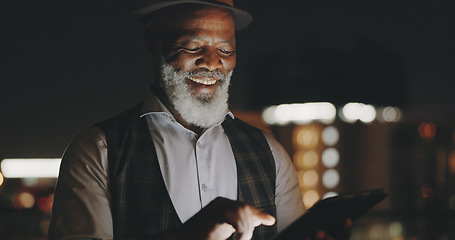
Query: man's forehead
[{"x": 189, "y": 37}]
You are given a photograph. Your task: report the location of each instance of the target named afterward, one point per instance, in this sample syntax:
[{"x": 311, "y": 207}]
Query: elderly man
[{"x": 179, "y": 165}]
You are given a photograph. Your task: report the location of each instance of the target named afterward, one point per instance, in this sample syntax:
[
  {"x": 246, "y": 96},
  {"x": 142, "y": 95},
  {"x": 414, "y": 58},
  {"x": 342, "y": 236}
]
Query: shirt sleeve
[
  {"x": 81, "y": 207},
  {"x": 288, "y": 199}
]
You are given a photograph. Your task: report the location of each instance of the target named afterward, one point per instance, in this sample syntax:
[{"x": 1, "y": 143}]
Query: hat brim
[{"x": 241, "y": 18}]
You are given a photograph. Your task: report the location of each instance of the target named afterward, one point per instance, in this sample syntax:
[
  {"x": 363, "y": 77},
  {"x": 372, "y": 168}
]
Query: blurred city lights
[
  {"x": 452, "y": 162},
  {"x": 351, "y": 112},
  {"x": 330, "y": 157},
  {"x": 310, "y": 159},
  {"x": 315, "y": 139},
  {"x": 307, "y": 137},
  {"x": 325, "y": 113},
  {"x": 300, "y": 177},
  {"x": 330, "y": 136},
  {"x": 29, "y": 182},
  {"x": 30, "y": 168},
  {"x": 45, "y": 203},
  {"x": 396, "y": 229},
  {"x": 378, "y": 231},
  {"x": 25, "y": 200},
  {"x": 427, "y": 130},
  {"x": 426, "y": 190},
  {"x": 298, "y": 158},
  {"x": 330, "y": 178},
  {"x": 389, "y": 114},
  {"x": 310, "y": 197},
  {"x": 305, "y": 159},
  {"x": 310, "y": 178},
  {"x": 300, "y": 113},
  {"x": 1, "y": 179}
]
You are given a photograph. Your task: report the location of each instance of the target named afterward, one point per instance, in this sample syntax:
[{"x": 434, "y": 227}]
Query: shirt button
[{"x": 204, "y": 187}]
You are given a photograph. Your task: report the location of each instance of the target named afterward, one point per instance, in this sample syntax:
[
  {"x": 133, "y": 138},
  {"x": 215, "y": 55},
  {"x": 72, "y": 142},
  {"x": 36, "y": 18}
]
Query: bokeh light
[
  {"x": 298, "y": 158},
  {"x": 45, "y": 203},
  {"x": 29, "y": 182},
  {"x": 330, "y": 136},
  {"x": 427, "y": 130},
  {"x": 1, "y": 179},
  {"x": 307, "y": 137},
  {"x": 30, "y": 168},
  {"x": 330, "y": 157},
  {"x": 310, "y": 178},
  {"x": 351, "y": 112},
  {"x": 330, "y": 178},
  {"x": 310, "y": 159},
  {"x": 305, "y": 159},
  {"x": 310, "y": 197},
  {"x": 396, "y": 229},
  {"x": 452, "y": 162},
  {"x": 300, "y": 113},
  {"x": 426, "y": 190},
  {"x": 25, "y": 200},
  {"x": 378, "y": 231},
  {"x": 390, "y": 114}
]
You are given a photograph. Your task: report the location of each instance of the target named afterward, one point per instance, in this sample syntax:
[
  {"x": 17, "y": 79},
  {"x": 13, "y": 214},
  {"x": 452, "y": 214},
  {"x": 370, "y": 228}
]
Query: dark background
[{"x": 67, "y": 64}]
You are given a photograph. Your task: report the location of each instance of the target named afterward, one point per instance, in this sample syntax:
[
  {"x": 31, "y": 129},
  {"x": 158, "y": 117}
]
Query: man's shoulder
[{"x": 121, "y": 119}]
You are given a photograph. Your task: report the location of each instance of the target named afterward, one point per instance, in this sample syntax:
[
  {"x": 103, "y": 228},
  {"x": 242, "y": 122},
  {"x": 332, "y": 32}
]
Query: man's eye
[
  {"x": 192, "y": 50},
  {"x": 226, "y": 52}
]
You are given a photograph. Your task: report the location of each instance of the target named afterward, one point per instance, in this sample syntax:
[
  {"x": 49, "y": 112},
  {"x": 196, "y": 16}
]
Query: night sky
[{"x": 68, "y": 64}]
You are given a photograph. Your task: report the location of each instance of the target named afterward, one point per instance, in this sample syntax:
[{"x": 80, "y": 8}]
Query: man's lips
[{"x": 205, "y": 81}]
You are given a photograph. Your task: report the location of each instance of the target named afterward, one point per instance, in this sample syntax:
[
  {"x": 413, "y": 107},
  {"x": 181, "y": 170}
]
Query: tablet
[{"x": 330, "y": 213}]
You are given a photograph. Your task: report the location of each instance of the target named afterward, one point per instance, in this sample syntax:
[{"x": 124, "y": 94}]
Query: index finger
[{"x": 262, "y": 218}]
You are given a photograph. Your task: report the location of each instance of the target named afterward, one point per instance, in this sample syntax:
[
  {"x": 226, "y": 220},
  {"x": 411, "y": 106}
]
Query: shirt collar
[{"x": 153, "y": 105}]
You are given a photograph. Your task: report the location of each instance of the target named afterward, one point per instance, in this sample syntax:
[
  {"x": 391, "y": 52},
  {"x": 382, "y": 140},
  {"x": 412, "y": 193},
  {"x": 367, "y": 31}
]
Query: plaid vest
[{"x": 140, "y": 202}]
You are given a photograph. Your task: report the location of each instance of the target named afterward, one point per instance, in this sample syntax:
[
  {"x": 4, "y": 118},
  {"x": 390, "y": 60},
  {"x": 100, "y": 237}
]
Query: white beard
[{"x": 201, "y": 110}]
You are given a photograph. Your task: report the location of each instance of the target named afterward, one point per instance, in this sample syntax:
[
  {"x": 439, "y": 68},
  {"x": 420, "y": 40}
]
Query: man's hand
[
  {"x": 344, "y": 234},
  {"x": 222, "y": 217}
]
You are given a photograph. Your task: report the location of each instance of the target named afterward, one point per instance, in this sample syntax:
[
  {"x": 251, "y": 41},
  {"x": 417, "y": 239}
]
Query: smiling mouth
[{"x": 202, "y": 81}]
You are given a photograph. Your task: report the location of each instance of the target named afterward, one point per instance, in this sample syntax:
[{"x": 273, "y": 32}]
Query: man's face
[
  {"x": 202, "y": 40},
  {"x": 198, "y": 57}
]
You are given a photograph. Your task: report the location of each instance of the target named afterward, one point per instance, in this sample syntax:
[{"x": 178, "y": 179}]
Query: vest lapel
[
  {"x": 255, "y": 170},
  {"x": 140, "y": 202}
]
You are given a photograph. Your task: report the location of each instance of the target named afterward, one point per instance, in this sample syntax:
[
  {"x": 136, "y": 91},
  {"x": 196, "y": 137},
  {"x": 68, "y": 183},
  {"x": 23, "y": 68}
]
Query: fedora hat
[{"x": 241, "y": 18}]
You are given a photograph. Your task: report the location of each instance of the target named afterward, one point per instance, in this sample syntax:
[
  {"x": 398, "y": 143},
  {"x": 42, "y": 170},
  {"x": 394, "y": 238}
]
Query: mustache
[{"x": 206, "y": 73}]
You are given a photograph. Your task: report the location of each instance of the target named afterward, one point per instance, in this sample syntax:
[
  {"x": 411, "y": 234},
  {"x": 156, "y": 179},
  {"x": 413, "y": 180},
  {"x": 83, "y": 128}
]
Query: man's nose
[{"x": 210, "y": 59}]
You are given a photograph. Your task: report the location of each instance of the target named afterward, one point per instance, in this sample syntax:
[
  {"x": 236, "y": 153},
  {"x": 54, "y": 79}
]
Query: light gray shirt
[{"x": 196, "y": 170}]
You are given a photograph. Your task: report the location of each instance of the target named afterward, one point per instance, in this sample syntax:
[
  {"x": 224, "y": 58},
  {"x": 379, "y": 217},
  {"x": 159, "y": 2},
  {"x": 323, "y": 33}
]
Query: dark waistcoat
[{"x": 140, "y": 202}]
